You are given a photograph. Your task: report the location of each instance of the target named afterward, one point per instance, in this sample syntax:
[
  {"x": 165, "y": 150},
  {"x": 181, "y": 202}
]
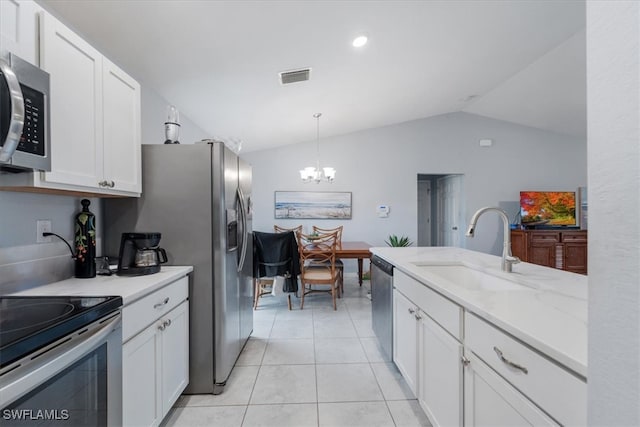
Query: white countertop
[
  {"x": 548, "y": 311},
  {"x": 130, "y": 288}
]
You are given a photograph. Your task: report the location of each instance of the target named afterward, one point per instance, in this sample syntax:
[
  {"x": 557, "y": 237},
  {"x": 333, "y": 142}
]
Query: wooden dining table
[{"x": 354, "y": 250}]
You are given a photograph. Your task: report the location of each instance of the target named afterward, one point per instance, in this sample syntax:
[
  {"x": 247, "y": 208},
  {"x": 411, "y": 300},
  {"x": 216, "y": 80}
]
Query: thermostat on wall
[{"x": 383, "y": 211}]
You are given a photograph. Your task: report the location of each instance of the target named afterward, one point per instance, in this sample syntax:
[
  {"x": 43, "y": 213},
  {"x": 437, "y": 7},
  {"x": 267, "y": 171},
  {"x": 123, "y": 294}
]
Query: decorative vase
[{"x": 85, "y": 242}]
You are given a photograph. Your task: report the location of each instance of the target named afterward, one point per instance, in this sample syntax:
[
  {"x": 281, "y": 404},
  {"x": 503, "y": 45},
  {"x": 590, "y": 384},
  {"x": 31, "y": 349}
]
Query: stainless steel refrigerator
[{"x": 199, "y": 197}]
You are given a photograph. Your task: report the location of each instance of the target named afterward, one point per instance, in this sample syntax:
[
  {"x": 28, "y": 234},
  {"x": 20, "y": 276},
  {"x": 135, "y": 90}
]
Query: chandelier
[{"x": 317, "y": 174}]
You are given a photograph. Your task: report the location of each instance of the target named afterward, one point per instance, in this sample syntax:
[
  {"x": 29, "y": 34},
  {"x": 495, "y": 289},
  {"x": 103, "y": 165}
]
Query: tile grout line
[{"x": 315, "y": 370}]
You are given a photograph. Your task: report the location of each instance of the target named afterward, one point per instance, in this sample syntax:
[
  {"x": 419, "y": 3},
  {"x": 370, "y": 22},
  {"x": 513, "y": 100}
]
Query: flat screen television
[{"x": 548, "y": 208}]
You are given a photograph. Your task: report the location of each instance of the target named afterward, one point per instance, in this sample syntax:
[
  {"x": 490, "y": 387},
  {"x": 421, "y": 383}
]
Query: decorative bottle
[{"x": 85, "y": 242}]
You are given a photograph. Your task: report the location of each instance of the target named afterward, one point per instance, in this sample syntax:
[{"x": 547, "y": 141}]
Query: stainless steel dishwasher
[{"x": 382, "y": 303}]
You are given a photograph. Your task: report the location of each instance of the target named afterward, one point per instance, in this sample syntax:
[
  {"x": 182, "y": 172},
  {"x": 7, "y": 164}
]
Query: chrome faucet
[{"x": 507, "y": 258}]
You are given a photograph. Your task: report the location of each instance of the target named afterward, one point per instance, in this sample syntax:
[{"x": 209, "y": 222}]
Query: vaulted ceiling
[{"x": 218, "y": 61}]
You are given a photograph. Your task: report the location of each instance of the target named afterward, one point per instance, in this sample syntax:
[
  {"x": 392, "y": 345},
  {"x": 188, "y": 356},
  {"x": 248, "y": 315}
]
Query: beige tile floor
[{"x": 311, "y": 367}]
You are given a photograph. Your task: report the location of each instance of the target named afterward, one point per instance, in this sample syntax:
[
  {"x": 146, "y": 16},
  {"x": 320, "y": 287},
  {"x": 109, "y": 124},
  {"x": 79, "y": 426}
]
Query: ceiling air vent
[{"x": 294, "y": 76}]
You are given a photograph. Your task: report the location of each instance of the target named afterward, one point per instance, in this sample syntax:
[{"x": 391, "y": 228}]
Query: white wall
[
  {"x": 380, "y": 166},
  {"x": 613, "y": 88}
]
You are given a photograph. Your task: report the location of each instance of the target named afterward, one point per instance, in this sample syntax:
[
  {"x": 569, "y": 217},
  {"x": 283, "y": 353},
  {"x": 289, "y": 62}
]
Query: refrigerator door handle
[{"x": 243, "y": 221}]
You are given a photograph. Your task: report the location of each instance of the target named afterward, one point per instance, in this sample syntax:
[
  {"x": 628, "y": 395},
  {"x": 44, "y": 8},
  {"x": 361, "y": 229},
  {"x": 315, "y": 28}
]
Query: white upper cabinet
[
  {"x": 95, "y": 117},
  {"x": 75, "y": 68},
  {"x": 19, "y": 28},
  {"x": 122, "y": 132}
]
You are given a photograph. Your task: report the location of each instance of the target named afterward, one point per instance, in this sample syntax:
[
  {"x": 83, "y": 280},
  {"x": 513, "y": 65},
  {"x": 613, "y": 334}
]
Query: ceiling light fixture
[
  {"x": 311, "y": 174},
  {"x": 359, "y": 41}
]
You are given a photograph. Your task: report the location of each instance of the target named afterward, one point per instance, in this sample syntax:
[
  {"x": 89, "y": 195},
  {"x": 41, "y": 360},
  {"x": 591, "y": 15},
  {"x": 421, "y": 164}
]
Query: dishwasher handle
[{"x": 382, "y": 265}]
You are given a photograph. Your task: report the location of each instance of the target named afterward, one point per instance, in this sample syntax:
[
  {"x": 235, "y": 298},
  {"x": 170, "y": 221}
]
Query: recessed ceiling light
[{"x": 359, "y": 41}]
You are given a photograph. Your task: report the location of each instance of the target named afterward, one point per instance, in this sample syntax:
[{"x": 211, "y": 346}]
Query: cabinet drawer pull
[
  {"x": 509, "y": 362},
  {"x": 160, "y": 304},
  {"x": 411, "y": 310}
]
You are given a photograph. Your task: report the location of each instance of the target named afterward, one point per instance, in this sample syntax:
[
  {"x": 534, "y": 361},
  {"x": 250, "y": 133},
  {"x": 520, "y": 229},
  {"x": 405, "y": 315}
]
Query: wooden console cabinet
[{"x": 565, "y": 250}]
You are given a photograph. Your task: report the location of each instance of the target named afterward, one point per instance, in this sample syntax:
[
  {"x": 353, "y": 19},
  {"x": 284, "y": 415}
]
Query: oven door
[{"x": 75, "y": 381}]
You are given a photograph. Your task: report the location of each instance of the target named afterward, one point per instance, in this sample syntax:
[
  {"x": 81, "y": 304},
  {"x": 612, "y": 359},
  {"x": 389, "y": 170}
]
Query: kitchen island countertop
[
  {"x": 130, "y": 288},
  {"x": 547, "y": 311}
]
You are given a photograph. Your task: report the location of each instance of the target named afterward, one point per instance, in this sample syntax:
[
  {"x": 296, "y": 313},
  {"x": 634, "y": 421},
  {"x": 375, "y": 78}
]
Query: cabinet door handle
[
  {"x": 161, "y": 327},
  {"x": 112, "y": 184},
  {"x": 160, "y": 304},
  {"x": 465, "y": 361},
  {"x": 418, "y": 317},
  {"x": 509, "y": 362},
  {"x": 411, "y": 310},
  {"x": 102, "y": 183},
  {"x": 167, "y": 323}
]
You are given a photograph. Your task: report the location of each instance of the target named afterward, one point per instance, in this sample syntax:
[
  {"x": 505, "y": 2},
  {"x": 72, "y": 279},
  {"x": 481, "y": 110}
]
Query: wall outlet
[{"x": 43, "y": 226}]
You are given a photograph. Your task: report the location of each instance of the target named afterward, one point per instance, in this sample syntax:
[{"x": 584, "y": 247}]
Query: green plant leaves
[{"x": 396, "y": 241}]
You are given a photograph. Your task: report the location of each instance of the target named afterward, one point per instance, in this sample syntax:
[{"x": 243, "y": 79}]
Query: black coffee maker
[{"x": 140, "y": 254}]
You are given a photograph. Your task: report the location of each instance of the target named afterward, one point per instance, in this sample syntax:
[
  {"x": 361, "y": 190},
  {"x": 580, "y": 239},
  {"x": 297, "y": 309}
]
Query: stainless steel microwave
[{"x": 24, "y": 116}]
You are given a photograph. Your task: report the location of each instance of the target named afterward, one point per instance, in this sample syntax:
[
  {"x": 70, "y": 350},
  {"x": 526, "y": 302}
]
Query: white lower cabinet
[
  {"x": 427, "y": 355},
  {"x": 140, "y": 371},
  {"x": 155, "y": 356},
  {"x": 174, "y": 356},
  {"x": 556, "y": 391},
  {"x": 466, "y": 371},
  {"x": 440, "y": 374},
  {"x": 405, "y": 337},
  {"x": 491, "y": 401}
]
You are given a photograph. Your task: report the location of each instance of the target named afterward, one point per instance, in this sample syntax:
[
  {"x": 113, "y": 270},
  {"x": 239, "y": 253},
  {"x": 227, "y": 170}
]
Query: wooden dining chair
[
  {"x": 318, "y": 265},
  {"x": 279, "y": 229},
  {"x": 264, "y": 285},
  {"x": 339, "y": 263},
  {"x": 338, "y": 230}
]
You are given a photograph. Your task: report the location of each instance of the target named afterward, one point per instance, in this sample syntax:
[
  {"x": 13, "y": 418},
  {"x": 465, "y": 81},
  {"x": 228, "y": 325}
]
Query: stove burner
[{"x": 36, "y": 314}]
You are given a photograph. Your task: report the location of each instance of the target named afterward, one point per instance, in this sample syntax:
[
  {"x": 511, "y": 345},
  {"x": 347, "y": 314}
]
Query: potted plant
[{"x": 396, "y": 241}]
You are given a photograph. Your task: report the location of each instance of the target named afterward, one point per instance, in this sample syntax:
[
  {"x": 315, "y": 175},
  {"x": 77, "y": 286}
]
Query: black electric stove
[{"x": 28, "y": 323}]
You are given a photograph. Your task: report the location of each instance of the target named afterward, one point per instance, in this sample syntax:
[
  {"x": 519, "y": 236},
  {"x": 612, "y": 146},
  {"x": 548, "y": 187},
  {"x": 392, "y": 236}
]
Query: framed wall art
[{"x": 313, "y": 205}]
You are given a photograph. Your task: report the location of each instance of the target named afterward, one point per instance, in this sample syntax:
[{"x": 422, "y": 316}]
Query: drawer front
[
  {"x": 445, "y": 312},
  {"x": 574, "y": 236},
  {"x": 561, "y": 394},
  {"x": 545, "y": 236},
  {"x": 140, "y": 314}
]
